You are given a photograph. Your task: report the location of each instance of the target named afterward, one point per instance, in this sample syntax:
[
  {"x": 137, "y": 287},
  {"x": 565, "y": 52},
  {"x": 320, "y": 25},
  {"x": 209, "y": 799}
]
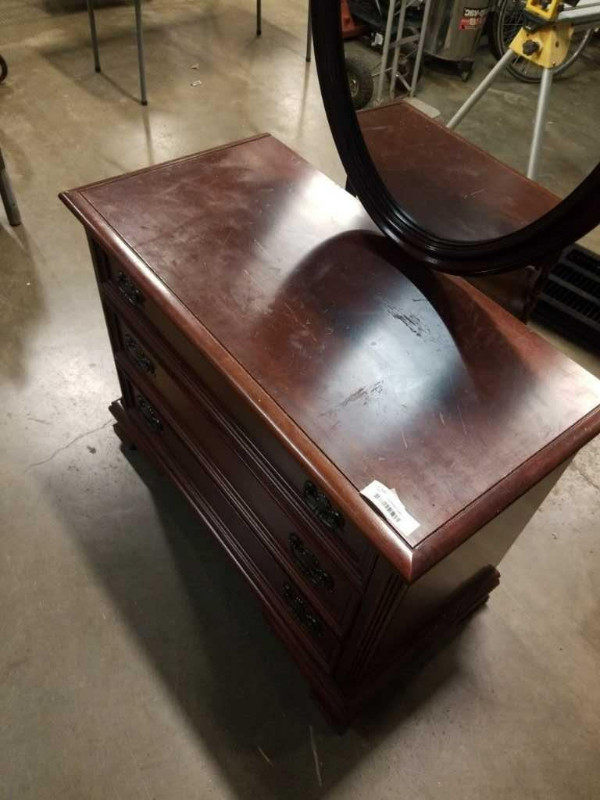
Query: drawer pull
[
  {"x": 309, "y": 565},
  {"x": 319, "y": 504},
  {"x": 302, "y": 611},
  {"x": 139, "y": 357},
  {"x": 149, "y": 413},
  {"x": 129, "y": 290}
]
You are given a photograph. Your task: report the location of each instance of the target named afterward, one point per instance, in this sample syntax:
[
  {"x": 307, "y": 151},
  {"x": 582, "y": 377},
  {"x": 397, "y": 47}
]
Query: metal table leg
[
  {"x": 140, "y": 46},
  {"x": 258, "y": 17},
  {"x": 482, "y": 88},
  {"x": 540, "y": 121},
  {"x": 396, "y": 56},
  {"x": 420, "y": 47},
  {"x": 386, "y": 49},
  {"x": 309, "y": 36},
  {"x": 94, "y": 35},
  {"x": 7, "y": 194}
]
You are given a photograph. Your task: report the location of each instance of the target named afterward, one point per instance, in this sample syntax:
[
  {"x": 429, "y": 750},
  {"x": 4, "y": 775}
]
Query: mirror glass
[{"x": 480, "y": 116}]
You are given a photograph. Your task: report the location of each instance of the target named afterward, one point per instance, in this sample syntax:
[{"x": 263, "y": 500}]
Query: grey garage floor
[{"x": 133, "y": 662}]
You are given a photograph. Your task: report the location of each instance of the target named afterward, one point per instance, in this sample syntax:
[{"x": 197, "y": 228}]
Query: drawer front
[
  {"x": 337, "y": 535},
  {"x": 204, "y": 423},
  {"x": 222, "y": 509}
]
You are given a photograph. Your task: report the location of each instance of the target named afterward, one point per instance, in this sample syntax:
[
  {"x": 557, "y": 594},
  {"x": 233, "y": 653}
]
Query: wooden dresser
[{"x": 276, "y": 355}]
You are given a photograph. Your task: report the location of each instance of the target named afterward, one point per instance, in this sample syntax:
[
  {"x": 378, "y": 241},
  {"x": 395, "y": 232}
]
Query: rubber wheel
[
  {"x": 406, "y": 62},
  {"x": 503, "y": 25},
  {"x": 465, "y": 70},
  {"x": 3, "y": 69},
  {"x": 360, "y": 81}
]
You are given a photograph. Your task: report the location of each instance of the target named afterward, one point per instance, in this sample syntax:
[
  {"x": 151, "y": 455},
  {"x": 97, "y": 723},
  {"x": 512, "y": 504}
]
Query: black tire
[
  {"x": 505, "y": 22},
  {"x": 465, "y": 70},
  {"x": 3, "y": 69},
  {"x": 360, "y": 81},
  {"x": 406, "y": 62}
]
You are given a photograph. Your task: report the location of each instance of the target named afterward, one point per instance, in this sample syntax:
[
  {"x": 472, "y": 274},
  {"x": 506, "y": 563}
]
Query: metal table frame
[
  {"x": 397, "y": 44},
  {"x": 140, "y": 40}
]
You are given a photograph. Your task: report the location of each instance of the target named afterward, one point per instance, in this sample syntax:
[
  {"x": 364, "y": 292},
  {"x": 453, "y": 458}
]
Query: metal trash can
[{"x": 454, "y": 29}]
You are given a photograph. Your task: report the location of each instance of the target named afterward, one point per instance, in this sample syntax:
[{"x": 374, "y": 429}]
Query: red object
[{"x": 349, "y": 27}]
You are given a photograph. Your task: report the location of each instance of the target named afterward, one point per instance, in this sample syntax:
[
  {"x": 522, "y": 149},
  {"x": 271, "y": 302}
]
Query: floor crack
[
  {"x": 585, "y": 476},
  {"x": 65, "y": 446}
]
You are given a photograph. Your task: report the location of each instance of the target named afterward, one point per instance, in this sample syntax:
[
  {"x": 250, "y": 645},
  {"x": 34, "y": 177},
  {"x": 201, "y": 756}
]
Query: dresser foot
[
  {"x": 121, "y": 427},
  {"x": 124, "y": 436},
  {"x": 338, "y": 717}
]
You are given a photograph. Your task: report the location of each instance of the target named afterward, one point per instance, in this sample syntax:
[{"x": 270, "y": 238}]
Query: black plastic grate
[{"x": 570, "y": 300}]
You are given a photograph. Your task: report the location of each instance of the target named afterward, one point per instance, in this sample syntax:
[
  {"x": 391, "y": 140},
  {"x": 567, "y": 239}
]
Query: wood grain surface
[{"x": 448, "y": 185}]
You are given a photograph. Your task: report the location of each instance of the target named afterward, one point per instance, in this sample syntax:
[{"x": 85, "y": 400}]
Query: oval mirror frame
[{"x": 538, "y": 243}]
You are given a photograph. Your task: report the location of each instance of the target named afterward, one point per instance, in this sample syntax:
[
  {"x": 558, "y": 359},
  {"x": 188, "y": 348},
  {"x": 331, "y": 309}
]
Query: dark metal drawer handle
[
  {"x": 138, "y": 356},
  {"x": 129, "y": 290},
  {"x": 319, "y": 504},
  {"x": 149, "y": 413},
  {"x": 302, "y": 611},
  {"x": 309, "y": 565}
]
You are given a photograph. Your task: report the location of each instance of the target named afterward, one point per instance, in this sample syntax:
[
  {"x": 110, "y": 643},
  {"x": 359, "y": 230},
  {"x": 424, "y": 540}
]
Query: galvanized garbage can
[{"x": 454, "y": 29}]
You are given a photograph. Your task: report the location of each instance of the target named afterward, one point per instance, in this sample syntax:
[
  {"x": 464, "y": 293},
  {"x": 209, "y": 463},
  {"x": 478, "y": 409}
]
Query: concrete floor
[{"x": 134, "y": 663}]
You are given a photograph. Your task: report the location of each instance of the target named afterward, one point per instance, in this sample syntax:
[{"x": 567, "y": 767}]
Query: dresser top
[
  {"x": 390, "y": 372},
  {"x": 446, "y": 183}
]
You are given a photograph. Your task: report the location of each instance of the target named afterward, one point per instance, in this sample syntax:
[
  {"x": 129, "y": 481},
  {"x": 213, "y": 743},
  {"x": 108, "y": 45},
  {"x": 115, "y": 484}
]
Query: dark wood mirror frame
[{"x": 534, "y": 244}]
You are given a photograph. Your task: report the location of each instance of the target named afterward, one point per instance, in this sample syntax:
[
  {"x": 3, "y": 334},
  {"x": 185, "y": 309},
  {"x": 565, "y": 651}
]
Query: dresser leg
[
  {"x": 337, "y": 717},
  {"x": 324, "y": 693},
  {"x": 123, "y": 436},
  {"x": 121, "y": 428}
]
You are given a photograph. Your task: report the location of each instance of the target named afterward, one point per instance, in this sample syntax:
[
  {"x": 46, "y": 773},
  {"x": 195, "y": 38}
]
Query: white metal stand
[
  {"x": 398, "y": 42},
  {"x": 540, "y": 114},
  {"x": 585, "y": 16}
]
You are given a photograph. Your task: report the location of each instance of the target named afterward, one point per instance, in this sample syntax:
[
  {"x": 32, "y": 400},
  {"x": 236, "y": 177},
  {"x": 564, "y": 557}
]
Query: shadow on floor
[
  {"x": 75, "y": 6},
  {"x": 173, "y": 43},
  {"x": 202, "y": 630},
  {"x": 22, "y": 315}
]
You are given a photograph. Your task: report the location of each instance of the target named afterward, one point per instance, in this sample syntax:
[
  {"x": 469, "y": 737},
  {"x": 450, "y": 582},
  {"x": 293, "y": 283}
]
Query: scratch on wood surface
[
  {"x": 304, "y": 325},
  {"x": 442, "y": 418},
  {"x": 366, "y": 394},
  {"x": 412, "y": 321},
  {"x": 404, "y": 439},
  {"x": 264, "y": 249},
  {"x": 313, "y": 747},
  {"x": 265, "y": 756},
  {"x": 461, "y": 419}
]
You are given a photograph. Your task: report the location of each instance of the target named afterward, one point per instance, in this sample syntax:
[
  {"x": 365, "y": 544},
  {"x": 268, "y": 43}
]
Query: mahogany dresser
[{"x": 277, "y": 356}]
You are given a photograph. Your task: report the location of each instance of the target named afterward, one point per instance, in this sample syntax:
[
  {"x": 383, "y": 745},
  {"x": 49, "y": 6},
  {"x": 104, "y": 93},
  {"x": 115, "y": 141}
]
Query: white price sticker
[{"x": 387, "y": 502}]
